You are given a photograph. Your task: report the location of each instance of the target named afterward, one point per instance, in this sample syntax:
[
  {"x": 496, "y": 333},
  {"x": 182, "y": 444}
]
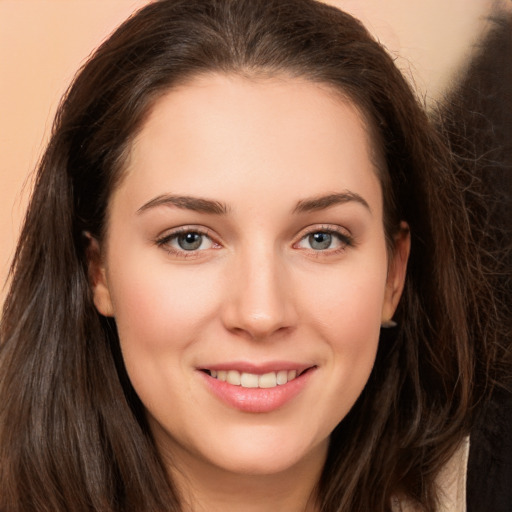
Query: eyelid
[
  {"x": 344, "y": 235},
  {"x": 167, "y": 236}
]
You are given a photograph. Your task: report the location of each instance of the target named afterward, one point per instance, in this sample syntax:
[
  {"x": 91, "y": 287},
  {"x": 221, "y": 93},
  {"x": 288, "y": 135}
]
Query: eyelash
[
  {"x": 344, "y": 239},
  {"x": 165, "y": 240}
]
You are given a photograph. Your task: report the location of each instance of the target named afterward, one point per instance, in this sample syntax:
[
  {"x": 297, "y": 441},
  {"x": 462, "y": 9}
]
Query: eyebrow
[
  {"x": 326, "y": 201},
  {"x": 217, "y": 208},
  {"x": 186, "y": 203}
]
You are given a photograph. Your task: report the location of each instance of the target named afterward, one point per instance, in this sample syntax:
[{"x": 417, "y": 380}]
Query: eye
[
  {"x": 324, "y": 240},
  {"x": 320, "y": 241},
  {"x": 186, "y": 241},
  {"x": 190, "y": 241}
]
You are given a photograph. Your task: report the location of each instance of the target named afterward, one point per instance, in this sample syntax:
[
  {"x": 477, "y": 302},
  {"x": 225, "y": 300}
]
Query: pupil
[
  {"x": 190, "y": 241},
  {"x": 320, "y": 241}
]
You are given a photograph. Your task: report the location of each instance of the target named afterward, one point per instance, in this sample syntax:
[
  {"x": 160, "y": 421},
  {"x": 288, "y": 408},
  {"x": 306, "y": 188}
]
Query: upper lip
[{"x": 258, "y": 368}]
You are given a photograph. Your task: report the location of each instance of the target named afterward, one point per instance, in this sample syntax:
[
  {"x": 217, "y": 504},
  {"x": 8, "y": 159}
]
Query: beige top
[{"x": 452, "y": 484}]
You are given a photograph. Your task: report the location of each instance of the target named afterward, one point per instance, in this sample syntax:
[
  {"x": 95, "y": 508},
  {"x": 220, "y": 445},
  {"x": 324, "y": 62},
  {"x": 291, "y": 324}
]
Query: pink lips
[{"x": 257, "y": 400}]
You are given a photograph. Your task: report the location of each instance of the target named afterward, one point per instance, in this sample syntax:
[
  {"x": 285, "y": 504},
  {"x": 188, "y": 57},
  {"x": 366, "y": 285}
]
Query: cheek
[
  {"x": 348, "y": 300},
  {"x": 161, "y": 312},
  {"x": 161, "y": 307},
  {"x": 344, "y": 312}
]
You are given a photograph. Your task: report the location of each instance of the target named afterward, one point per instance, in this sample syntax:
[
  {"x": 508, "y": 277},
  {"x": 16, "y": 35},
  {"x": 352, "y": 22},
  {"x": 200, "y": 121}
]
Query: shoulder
[
  {"x": 478, "y": 477},
  {"x": 451, "y": 483}
]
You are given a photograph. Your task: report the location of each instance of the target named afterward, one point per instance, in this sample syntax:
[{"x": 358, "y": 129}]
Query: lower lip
[{"x": 257, "y": 400}]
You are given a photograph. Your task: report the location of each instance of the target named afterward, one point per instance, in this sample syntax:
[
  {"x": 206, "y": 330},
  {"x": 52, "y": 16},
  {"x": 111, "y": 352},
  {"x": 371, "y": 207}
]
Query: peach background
[{"x": 43, "y": 42}]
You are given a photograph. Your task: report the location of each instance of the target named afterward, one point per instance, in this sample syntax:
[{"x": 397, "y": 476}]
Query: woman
[{"x": 236, "y": 196}]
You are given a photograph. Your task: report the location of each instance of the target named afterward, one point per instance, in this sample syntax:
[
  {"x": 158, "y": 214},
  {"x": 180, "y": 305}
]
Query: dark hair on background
[
  {"x": 476, "y": 118},
  {"x": 73, "y": 436}
]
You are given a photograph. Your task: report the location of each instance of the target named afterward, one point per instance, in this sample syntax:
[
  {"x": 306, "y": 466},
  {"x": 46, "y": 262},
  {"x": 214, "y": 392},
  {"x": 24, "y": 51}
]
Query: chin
[{"x": 265, "y": 452}]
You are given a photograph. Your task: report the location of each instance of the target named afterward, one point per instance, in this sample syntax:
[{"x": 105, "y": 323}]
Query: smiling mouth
[{"x": 253, "y": 380}]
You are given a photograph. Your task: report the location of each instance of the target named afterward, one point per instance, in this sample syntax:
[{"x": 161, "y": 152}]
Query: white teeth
[
  {"x": 252, "y": 380},
  {"x": 268, "y": 380},
  {"x": 233, "y": 378},
  {"x": 249, "y": 380},
  {"x": 282, "y": 377}
]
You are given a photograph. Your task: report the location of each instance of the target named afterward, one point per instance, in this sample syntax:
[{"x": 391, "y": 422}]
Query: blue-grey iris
[
  {"x": 320, "y": 241},
  {"x": 190, "y": 241}
]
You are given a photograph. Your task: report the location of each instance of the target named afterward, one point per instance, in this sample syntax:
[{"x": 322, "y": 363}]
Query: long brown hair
[
  {"x": 476, "y": 116},
  {"x": 73, "y": 435}
]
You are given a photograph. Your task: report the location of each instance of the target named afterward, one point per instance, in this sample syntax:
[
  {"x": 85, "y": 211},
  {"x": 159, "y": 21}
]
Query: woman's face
[{"x": 246, "y": 243}]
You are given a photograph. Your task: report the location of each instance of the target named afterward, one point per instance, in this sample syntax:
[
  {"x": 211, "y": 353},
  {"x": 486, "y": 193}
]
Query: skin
[{"x": 258, "y": 289}]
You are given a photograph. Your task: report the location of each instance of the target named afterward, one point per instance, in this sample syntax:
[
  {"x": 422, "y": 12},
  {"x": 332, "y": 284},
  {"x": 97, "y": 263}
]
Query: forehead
[{"x": 227, "y": 134}]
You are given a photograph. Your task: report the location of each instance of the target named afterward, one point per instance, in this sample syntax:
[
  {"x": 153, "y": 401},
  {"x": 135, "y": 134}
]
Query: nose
[{"x": 259, "y": 300}]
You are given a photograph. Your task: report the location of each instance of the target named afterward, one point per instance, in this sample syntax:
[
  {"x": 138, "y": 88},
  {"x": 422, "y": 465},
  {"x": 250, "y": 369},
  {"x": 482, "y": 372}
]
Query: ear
[
  {"x": 397, "y": 270},
  {"x": 98, "y": 277}
]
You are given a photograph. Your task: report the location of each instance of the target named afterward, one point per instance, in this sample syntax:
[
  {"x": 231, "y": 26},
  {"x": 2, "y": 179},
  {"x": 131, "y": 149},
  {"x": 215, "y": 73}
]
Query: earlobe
[
  {"x": 396, "y": 273},
  {"x": 98, "y": 278}
]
